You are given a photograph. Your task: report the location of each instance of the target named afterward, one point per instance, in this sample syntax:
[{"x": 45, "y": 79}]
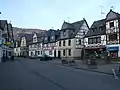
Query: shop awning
[{"x": 116, "y": 48}]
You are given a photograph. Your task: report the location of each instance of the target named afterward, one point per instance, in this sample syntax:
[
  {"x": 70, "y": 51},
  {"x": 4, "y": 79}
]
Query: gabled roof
[
  {"x": 2, "y": 24},
  {"x": 50, "y": 33},
  {"x": 67, "y": 25},
  {"x": 78, "y": 25},
  {"x": 27, "y": 36},
  {"x": 112, "y": 15},
  {"x": 96, "y": 26},
  {"x": 73, "y": 28}
]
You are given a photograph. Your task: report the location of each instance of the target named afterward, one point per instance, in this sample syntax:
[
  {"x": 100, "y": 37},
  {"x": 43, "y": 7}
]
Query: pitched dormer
[{"x": 35, "y": 38}]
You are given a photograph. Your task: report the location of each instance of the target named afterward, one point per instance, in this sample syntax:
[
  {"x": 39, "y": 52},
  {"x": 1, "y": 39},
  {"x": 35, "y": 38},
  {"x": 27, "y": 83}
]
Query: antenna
[
  {"x": 68, "y": 19},
  {"x": 102, "y": 13},
  {"x": 112, "y": 7}
]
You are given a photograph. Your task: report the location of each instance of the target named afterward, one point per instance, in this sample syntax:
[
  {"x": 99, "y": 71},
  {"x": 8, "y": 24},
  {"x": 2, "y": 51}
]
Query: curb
[
  {"x": 93, "y": 70},
  {"x": 87, "y": 69}
]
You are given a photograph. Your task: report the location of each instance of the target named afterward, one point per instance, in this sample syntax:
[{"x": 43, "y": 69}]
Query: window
[
  {"x": 98, "y": 40},
  {"x": 64, "y": 33},
  {"x": 52, "y": 37},
  {"x": 59, "y": 43},
  {"x": 38, "y": 52},
  {"x": 69, "y": 52},
  {"x": 50, "y": 52},
  {"x": 45, "y": 38},
  {"x": 93, "y": 29},
  {"x": 35, "y": 53},
  {"x": 90, "y": 41},
  {"x": 63, "y": 52},
  {"x": 101, "y": 28},
  {"x": 79, "y": 41},
  {"x": 41, "y": 52},
  {"x": 48, "y": 38},
  {"x": 31, "y": 53},
  {"x": 94, "y": 40},
  {"x": 83, "y": 32},
  {"x": 69, "y": 42},
  {"x": 112, "y": 37},
  {"x": 33, "y": 45},
  {"x": 111, "y": 24},
  {"x": 64, "y": 43},
  {"x": 35, "y": 39},
  {"x": 41, "y": 45}
]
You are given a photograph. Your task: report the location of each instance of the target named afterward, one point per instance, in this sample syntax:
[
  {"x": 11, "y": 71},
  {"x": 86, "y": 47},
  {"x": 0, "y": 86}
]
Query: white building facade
[
  {"x": 70, "y": 44},
  {"x": 113, "y": 33}
]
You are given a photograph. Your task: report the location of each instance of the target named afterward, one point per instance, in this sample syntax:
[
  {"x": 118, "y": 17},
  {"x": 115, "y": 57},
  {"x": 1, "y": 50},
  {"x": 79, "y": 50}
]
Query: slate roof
[
  {"x": 78, "y": 25},
  {"x": 72, "y": 27},
  {"x": 96, "y": 25},
  {"x": 27, "y": 36},
  {"x": 2, "y": 24},
  {"x": 117, "y": 14},
  {"x": 67, "y": 25}
]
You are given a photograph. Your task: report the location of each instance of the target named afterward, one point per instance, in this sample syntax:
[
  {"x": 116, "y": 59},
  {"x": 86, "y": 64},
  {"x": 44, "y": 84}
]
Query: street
[{"x": 31, "y": 74}]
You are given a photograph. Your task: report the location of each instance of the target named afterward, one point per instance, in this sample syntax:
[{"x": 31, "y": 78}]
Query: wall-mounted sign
[
  {"x": 115, "y": 48},
  {"x": 8, "y": 43}
]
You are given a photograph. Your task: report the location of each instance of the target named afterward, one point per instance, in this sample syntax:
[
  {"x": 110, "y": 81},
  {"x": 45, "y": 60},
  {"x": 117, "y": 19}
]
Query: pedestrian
[
  {"x": 108, "y": 57},
  {"x": 3, "y": 58},
  {"x": 12, "y": 57}
]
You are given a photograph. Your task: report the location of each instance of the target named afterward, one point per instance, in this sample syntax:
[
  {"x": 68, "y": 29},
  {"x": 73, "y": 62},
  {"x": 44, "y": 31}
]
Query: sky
[{"x": 47, "y": 14}]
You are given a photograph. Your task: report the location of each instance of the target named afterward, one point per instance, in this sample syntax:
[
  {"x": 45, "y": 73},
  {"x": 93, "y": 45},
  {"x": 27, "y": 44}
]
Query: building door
[
  {"x": 59, "y": 54},
  {"x": 55, "y": 53}
]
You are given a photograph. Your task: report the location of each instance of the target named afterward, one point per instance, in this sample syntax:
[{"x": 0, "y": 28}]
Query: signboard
[
  {"x": 116, "y": 48},
  {"x": 8, "y": 43}
]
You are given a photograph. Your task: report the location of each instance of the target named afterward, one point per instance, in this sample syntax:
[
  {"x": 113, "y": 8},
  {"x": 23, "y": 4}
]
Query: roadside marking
[{"x": 115, "y": 76}]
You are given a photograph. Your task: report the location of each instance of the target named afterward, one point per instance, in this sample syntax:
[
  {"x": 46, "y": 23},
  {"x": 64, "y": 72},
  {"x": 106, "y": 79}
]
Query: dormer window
[
  {"x": 93, "y": 29},
  {"x": 64, "y": 32},
  {"x": 111, "y": 24},
  {"x": 45, "y": 38},
  {"x": 83, "y": 32},
  {"x": 52, "y": 37},
  {"x": 35, "y": 39},
  {"x": 101, "y": 28}
]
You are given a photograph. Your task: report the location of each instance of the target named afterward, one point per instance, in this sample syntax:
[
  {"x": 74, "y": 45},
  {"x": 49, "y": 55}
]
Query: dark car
[{"x": 45, "y": 58}]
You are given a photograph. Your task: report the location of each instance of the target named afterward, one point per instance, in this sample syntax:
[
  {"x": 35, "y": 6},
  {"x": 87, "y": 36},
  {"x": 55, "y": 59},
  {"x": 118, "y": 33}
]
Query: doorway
[
  {"x": 55, "y": 53},
  {"x": 59, "y": 54}
]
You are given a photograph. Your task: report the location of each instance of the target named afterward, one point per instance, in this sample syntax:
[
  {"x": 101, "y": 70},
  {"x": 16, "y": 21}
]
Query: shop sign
[{"x": 116, "y": 48}]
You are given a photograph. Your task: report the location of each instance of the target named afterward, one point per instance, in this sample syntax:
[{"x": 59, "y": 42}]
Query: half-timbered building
[
  {"x": 50, "y": 42},
  {"x": 113, "y": 33},
  {"x": 95, "y": 40},
  {"x": 70, "y": 43}
]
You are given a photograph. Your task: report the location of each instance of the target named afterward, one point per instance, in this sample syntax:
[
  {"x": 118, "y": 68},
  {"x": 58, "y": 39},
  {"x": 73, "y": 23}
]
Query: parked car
[{"x": 45, "y": 58}]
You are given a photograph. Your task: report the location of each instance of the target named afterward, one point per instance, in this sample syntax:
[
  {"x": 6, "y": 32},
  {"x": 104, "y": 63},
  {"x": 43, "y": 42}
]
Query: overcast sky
[{"x": 45, "y": 14}]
